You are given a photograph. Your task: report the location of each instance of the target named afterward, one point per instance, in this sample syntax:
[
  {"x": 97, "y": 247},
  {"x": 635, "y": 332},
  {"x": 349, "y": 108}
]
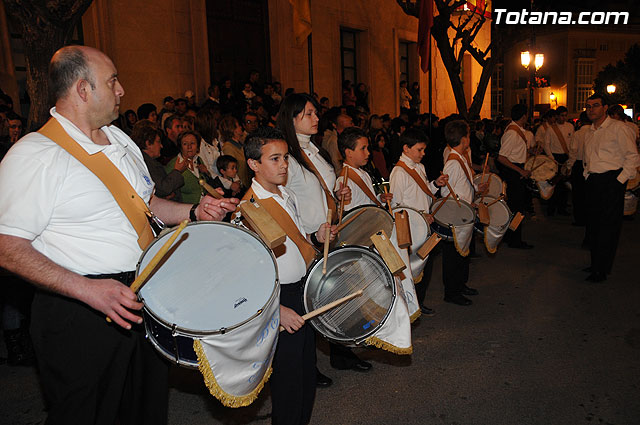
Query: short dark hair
[
  {"x": 223, "y": 162},
  {"x": 413, "y": 136},
  {"x": 145, "y": 110},
  {"x": 615, "y": 110},
  {"x": 518, "y": 111},
  {"x": 454, "y": 131},
  {"x": 144, "y": 131},
  {"x": 552, "y": 113},
  {"x": 167, "y": 99},
  {"x": 69, "y": 66},
  {"x": 189, "y": 133},
  {"x": 603, "y": 98},
  {"x": 256, "y": 140},
  {"x": 168, "y": 123},
  {"x": 561, "y": 110},
  {"x": 584, "y": 118},
  {"x": 348, "y": 139}
]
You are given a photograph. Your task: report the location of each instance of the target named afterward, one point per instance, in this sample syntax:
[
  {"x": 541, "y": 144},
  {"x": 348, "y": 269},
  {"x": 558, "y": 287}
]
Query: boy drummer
[
  {"x": 294, "y": 365},
  {"x": 455, "y": 267}
]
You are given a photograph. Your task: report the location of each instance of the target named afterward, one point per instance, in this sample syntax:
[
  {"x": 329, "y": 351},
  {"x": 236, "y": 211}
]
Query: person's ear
[
  {"x": 253, "y": 164},
  {"x": 82, "y": 88}
]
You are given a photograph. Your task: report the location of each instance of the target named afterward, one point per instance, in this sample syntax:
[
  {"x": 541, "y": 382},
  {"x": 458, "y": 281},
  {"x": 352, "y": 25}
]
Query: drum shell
[
  {"x": 443, "y": 228},
  {"x": 495, "y": 184},
  {"x": 480, "y": 227},
  {"x": 316, "y": 281},
  {"x": 630, "y": 203},
  {"x": 175, "y": 342}
]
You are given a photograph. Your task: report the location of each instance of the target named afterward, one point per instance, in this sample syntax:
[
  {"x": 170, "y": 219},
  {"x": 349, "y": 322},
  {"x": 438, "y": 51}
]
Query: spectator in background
[
  {"x": 207, "y": 126},
  {"x": 250, "y": 122},
  {"x": 168, "y": 108},
  {"x": 348, "y": 96},
  {"x": 415, "y": 101},
  {"x": 130, "y": 120},
  {"x": 172, "y": 128},
  {"x": 248, "y": 92},
  {"x": 232, "y": 136},
  {"x": 191, "y": 191},
  {"x": 181, "y": 106},
  {"x": 167, "y": 184},
  {"x": 214, "y": 93},
  {"x": 362, "y": 96},
  {"x": 379, "y": 153},
  {"x": 148, "y": 111},
  {"x": 190, "y": 96},
  {"x": 405, "y": 97}
]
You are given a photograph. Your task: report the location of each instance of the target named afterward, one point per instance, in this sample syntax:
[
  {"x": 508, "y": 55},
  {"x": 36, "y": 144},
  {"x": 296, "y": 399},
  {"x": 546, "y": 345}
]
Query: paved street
[{"x": 539, "y": 346}]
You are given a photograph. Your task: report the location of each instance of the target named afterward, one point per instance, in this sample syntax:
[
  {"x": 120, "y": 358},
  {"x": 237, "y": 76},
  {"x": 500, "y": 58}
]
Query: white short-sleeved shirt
[
  {"x": 552, "y": 143},
  {"x": 609, "y": 147},
  {"x": 291, "y": 264},
  {"x": 512, "y": 146},
  {"x": 67, "y": 213},
  {"x": 406, "y": 191},
  {"x": 458, "y": 179}
]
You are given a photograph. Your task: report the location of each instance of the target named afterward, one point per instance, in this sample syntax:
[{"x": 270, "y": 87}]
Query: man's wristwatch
[
  {"x": 192, "y": 213},
  {"x": 314, "y": 239}
]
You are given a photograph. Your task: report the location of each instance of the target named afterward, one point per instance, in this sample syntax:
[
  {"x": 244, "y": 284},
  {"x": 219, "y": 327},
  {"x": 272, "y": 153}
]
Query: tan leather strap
[
  {"x": 132, "y": 205},
  {"x": 560, "y": 137},
  {"x": 355, "y": 177},
  {"x": 462, "y": 164},
  {"x": 331, "y": 203},
  {"x": 517, "y": 130},
  {"x": 414, "y": 174},
  {"x": 283, "y": 219}
]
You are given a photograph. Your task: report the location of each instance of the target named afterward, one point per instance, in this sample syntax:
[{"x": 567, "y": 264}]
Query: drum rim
[
  {"x": 481, "y": 227},
  {"x": 346, "y": 214},
  {"x": 198, "y": 333},
  {"x": 318, "y": 262},
  {"x": 447, "y": 225}
]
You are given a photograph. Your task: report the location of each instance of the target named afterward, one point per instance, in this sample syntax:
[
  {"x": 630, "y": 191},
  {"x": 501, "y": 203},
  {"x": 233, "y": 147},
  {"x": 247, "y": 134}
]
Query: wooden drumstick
[
  {"x": 327, "y": 237},
  {"x": 496, "y": 200},
  {"x": 453, "y": 194},
  {"x": 386, "y": 191},
  {"x": 142, "y": 277},
  {"x": 484, "y": 167},
  {"x": 536, "y": 167},
  {"x": 329, "y": 306},
  {"x": 344, "y": 184},
  {"x": 488, "y": 183},
  {"x": 348, "y": 221},
  {"x": 440, "y": 206},
  {"x": 210, "y": 189}
]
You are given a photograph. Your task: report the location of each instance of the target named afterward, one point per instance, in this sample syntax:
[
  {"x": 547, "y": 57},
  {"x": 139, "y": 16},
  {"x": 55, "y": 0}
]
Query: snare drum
[
  {"x": 542, "y": 167},
  {"x": 630, "y": 203},
  {"x": 500, "y": 217},
  {"x": 454, "y": 223},
  {"x": 371, "y": 221},
  {"x": 349, "y": 269},
  {"x": 204, "y": 308},
  {"x": 495, "y": 184}
]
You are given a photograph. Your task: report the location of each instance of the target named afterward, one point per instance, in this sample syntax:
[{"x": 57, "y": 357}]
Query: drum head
[
  {"x": 359, "y": 232},
  {"x": 545, "y": 167},
  {"x": 499, "y": 213},
  {"x": 350, "y": 269},
  {"x": 215, "y": 276},
  {"x": 452, "y": 214},
  {"x": 495, "y": 184}
]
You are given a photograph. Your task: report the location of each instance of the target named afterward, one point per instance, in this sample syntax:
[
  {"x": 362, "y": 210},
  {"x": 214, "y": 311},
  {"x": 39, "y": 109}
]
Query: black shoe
[
  {"x": 458, "y": 299},
  {"x": 322, "y": 380},
  {"x": 361, "y": 366},
  {"x": 588, "y": 269},
  {"x": 521, "y": 245},
  {"x": 19, "y": 348},
  {"x": 596, "y": 277},
  {"x": 469, "y": 291},
  {"x": 427, "y": 311}
]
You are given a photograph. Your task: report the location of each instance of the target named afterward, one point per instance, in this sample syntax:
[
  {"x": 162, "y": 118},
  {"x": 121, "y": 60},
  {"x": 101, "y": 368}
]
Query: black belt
[{"x": 124, "y": 277}]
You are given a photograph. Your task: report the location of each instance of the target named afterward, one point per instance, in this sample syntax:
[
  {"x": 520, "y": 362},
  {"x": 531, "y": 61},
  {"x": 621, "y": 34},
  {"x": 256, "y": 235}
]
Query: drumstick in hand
[
  {"x": 344, "y": 184},
  {"x": 327, "y": 237},
  {"x": 142, "y": 277},
  {"x": 453, "y": 194},
  {"x": 210, "y": 189},
  {"x": 388, "y": 201},
  {"x": 329, "y": 306},
  {"x": 484, "y": 167},
  {"x": 488, "y": 185},
  {"x": 497, "y": 200}
]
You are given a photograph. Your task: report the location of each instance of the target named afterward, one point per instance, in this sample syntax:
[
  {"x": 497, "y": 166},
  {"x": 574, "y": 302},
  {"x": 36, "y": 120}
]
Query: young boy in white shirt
[
  {"x": 228, "y": 179},
  {"x": 293, "y": 381},
  {"x": 411, "y": 188}
]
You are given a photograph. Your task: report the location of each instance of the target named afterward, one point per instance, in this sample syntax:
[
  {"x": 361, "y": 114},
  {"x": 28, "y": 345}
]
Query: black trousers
[
  {"x": 516, "y": 200},
  {"x": 578, "y": 193},
  {"x": 558, "y": 201},
  {"x": 94, "y": 372},
  {"x": 605, "y": 203},
  {"x": 293, "y": 381},
  {"x": 455, "y": 269},
  {"x": 423, "y": 285}
]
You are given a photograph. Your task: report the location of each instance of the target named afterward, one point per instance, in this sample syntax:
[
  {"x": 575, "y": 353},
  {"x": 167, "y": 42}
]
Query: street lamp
[
  {"x": 611, "y": 88},
  {"x": 553, "y": 98},
  {"x": 538, "y": 61}
]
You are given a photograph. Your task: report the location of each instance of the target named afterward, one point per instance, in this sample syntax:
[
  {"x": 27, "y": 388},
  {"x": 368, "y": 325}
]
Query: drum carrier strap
[
  {"x": 130, "y": 202},
  {"x": 560, "y": 137},
  {"x": 355, "y": 177},
  {"x": 455, "y": 157},
  {"x": 515, "y": 128},
  {"x": 414, "y": 174},
  {"x": 331, "y": 203},
  {"x": 283, "y": 219}
]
